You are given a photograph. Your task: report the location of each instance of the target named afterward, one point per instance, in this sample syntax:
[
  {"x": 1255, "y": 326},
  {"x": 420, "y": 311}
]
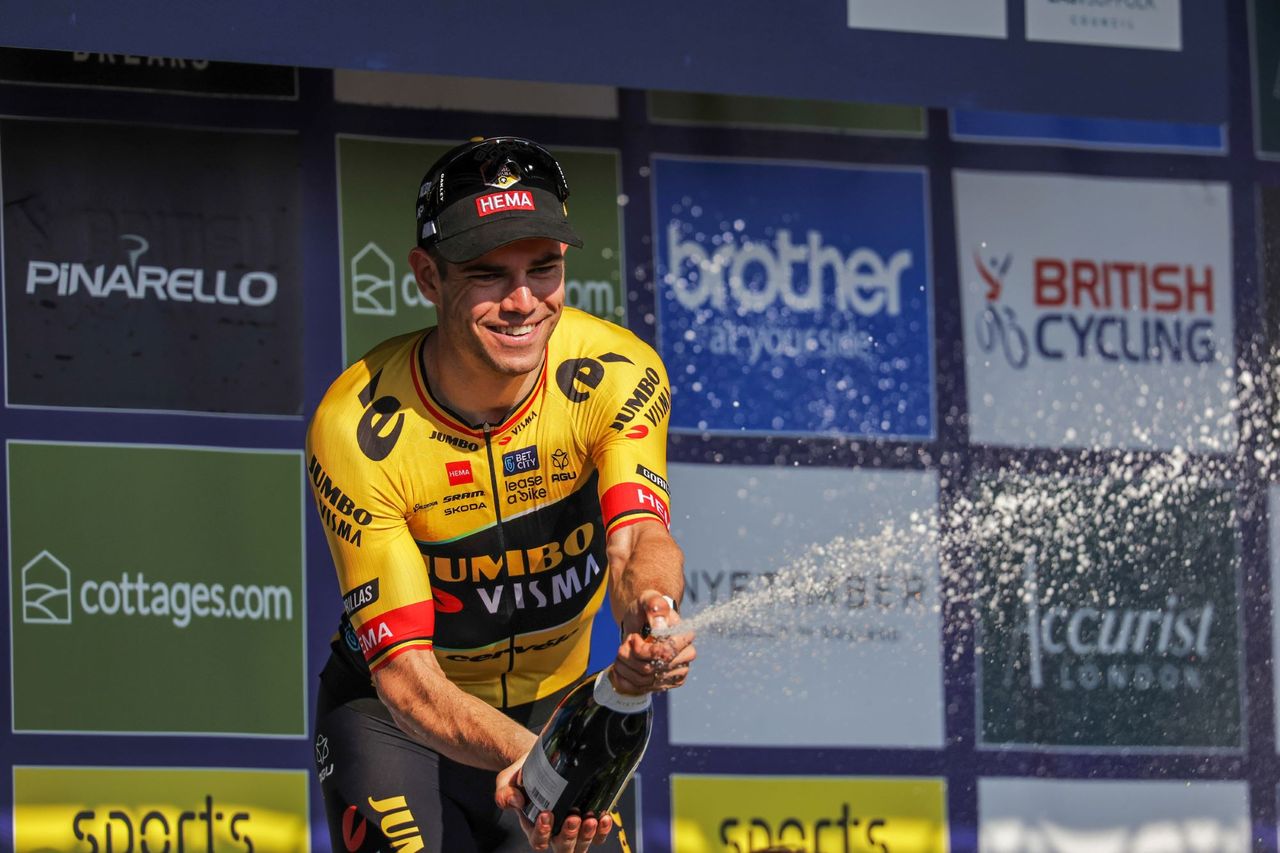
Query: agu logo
[{"x": 46, "y": 591}]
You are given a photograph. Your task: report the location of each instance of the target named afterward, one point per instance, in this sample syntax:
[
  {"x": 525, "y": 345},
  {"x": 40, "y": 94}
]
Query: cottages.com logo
[{"x": 50, "y": 596}]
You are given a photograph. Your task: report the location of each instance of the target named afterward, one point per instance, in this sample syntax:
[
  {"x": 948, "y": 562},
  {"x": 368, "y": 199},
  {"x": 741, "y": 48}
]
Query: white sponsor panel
[
  {"x": 1154, "y": 24},
  {"x": 944, "y": 17},
  {"x": 473, "y": 94},
  {"x": 1097, "y": 311},
  {"x": 815, "y": 594},
  {"x": 1112, "y": 816}
]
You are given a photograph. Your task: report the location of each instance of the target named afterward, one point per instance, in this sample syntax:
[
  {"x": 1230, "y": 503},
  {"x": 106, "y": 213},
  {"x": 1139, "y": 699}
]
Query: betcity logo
[
  {"x": 1131, "y": 311},
  {"x": 49, "y": 597},
  {"x": 134, "y": 281}
]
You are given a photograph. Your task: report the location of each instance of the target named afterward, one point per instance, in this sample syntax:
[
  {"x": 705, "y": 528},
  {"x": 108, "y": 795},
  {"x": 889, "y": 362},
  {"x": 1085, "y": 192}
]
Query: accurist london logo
[{"x": 795, "y": 297}]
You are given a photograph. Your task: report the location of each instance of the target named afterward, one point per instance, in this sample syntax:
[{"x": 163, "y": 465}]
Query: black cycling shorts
[{"x": 385, "y": 792}]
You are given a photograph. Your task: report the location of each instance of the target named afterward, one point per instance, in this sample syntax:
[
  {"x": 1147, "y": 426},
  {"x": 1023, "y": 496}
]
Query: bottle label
[
  {"x": 541, "y": 782},
  {"x": 624, "y": 703}
]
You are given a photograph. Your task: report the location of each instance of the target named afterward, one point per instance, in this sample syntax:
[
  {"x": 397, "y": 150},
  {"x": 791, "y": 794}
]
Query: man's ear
[{"x": 426, "y": 274}]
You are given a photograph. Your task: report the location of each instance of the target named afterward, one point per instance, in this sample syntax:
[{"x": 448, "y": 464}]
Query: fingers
[
  {"x": 577, "y": 834},
  {"x": 539, "y": 833}
]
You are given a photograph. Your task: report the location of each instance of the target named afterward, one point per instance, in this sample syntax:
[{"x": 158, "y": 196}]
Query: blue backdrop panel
[{"x": 785, "y": 49}]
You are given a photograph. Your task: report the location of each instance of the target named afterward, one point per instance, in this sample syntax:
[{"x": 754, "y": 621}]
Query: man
[{"x": 484, "y": 484}]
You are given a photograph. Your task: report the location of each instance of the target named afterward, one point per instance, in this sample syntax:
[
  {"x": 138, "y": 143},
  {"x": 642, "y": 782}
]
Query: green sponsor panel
[
  {"x": 156, "y": 590},
  {"x": 378, "y": 185},
  {"x": 1108, "y": 613},
  {"x": 1266, "y": 69},
  {"x": 750, "y": 111},
  {"x": 159, "y": 809}
]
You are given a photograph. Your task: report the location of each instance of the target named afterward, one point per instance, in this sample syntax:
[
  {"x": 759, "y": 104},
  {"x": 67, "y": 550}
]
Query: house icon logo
[
  {"x": 46, "y": 591},
  {"x": 373, "y": 282}
]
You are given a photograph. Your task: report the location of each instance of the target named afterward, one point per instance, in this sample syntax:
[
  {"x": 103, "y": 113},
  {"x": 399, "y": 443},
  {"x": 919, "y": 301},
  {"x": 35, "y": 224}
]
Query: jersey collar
[{"x": 455, "y": 421}]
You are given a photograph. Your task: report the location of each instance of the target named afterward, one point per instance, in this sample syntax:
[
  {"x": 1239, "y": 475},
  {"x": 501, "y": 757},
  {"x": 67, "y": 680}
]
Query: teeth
[{"x": 516, "y": 331}]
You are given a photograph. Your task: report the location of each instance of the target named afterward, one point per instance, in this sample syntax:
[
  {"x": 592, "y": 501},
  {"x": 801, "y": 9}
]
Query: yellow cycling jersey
[{"x": 486, "y": 544}]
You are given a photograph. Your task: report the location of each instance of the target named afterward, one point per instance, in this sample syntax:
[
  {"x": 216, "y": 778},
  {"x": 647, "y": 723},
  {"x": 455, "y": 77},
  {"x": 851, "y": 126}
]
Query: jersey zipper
[{"x": 502, "y": 543}]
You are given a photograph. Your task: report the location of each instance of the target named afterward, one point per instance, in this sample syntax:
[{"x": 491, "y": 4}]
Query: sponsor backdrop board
[
  {"x": 852, "y": 552},
  {"x": 1265, "y": 44},
  {"x": 984, "y": 18},
  {"x": 148, "y": 73},
  {"x": 149, "y": 268},
  {"x": 1081, "y": 132},
  {"x": 186, "y": 562},
  {"x": 742, "y": 111},
  {"x": 1097, "y": 312},
  {"x": 1273, "y": 509},
  {"x": 1109, "y": 617},
  {"x": 1132, "y": 23},
  {"x": 473, "y": 94},
  {"x": 811, "y": 813},
  {"x": 378, "y": 183},
  {"x": 1088, "y": 816},
  {"x": 796, "y": 297},
  {"x": 159, "y": 808}
]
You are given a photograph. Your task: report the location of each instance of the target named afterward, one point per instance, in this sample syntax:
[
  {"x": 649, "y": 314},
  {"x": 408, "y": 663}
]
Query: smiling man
[{"x": 485, "y": 484}]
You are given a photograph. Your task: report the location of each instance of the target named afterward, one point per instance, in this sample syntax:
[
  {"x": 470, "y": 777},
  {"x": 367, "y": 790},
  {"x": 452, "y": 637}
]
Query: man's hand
[
  {"x": 576, "y": 835},
  {"x": 646, "y": 664}
]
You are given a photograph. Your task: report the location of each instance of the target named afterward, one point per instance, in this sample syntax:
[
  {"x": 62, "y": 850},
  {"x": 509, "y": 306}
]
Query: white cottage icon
[{"x": 46, "y": 591}]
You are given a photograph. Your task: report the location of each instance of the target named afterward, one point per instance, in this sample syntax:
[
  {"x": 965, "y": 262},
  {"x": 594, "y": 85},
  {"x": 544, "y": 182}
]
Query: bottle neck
[{"x": 608, "y": 696}]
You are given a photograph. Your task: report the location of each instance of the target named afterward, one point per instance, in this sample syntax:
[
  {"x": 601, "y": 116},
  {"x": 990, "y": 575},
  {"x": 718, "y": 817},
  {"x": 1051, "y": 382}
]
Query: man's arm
[
  {"x": 645, "y": 564},
  {"x": 434, "y": 711}
]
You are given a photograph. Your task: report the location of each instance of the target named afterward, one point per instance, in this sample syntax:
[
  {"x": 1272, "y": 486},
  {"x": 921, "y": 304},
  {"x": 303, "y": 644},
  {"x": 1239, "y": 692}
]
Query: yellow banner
[
  {"x": 114, "y": 810},
  {"x": 808, "y": 814}
]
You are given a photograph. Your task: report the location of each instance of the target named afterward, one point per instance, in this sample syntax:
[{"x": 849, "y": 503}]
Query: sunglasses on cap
[{"x": 485, "y": 166}]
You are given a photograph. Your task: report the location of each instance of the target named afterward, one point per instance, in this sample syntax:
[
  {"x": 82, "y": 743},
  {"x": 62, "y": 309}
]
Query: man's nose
[{"x": 520, "y": 299}]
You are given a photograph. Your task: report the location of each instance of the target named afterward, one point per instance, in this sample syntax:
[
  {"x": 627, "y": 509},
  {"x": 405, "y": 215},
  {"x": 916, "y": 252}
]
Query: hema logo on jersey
[{"x": 797, "y": 296}]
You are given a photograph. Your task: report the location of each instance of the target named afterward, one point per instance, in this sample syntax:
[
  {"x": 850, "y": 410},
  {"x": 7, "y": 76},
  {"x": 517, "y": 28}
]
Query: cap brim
[{"x": 472, "y": 243}]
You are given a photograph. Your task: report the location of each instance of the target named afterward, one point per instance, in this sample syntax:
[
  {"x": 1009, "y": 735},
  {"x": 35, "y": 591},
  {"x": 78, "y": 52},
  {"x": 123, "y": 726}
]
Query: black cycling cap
[{"x": 488, "y": 193}]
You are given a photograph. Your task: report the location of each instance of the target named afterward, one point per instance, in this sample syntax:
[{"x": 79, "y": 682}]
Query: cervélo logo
[{"x": 788, "y": 290}]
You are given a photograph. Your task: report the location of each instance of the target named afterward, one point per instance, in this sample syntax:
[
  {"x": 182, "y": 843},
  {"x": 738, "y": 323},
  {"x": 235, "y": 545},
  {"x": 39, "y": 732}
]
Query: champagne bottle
[{"x": 587, "y": 751}]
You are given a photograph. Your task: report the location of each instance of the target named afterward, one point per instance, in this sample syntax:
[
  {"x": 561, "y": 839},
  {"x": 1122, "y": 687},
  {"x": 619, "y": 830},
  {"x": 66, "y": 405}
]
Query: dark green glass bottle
[{"x": 587, "y": 751}]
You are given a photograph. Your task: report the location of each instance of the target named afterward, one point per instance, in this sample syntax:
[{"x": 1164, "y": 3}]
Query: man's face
[{"x": 498, "y": 311}]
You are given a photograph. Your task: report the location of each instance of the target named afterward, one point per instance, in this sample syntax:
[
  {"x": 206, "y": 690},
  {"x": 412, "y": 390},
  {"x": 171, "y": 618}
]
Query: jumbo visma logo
[
  {"x": 1133, "y": 311},
  {"x": 50, "y": 596}
]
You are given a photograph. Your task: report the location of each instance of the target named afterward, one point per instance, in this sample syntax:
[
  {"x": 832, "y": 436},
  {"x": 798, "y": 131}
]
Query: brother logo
[{"x": 864, "y": 282}]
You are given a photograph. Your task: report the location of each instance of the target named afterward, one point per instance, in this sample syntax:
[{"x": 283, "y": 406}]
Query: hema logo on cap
[{"x": 501, "y": 202}]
